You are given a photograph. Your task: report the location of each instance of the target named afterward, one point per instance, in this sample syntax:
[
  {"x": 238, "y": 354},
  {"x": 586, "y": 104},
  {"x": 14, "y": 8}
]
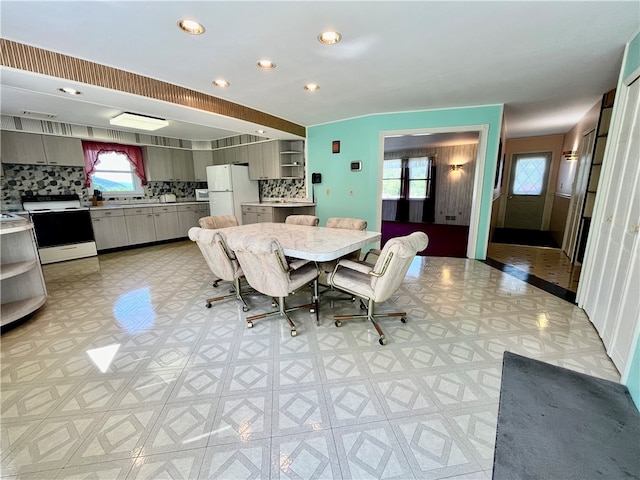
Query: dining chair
[
  {"x": 308, "y": 220},
  {"x": 347, "y": 224},
  {"x": 269, "y": 272},
  {"x": 379, "y": 282},
  {"x": 218, "y": 221},
  {"x": 221, "y": 261},
  {"x": 215, "y": 222}
]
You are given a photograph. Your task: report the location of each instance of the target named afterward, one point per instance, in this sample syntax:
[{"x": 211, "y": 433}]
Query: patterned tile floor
[
  {"x": 124, "y": 374},
  {"x": 550, "y": 264}
]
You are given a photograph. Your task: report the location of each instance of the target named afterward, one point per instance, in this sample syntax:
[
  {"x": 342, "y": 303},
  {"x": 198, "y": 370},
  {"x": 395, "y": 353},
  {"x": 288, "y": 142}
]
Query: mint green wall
[
  {"x": 632, "y": 381},
  {"x": 360, "y": 140}
]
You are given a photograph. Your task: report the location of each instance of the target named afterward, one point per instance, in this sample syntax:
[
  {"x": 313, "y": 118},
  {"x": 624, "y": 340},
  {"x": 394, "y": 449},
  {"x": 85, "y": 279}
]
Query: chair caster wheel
[
  {"x": 294, "y": 333},
  {"x": 338, "y": 323},
  {"x": 208, "y": 305},
  {"x": 249, "y": 324},
  {"x": 214, "y": 284},
  {"x": 403, "y": 319},
  {"x": 274, "y": 304},
  {"x": 382, "y": 341}
]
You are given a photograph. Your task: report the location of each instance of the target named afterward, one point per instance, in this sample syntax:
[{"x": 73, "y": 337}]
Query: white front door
[{"x": 527, "y": 190}]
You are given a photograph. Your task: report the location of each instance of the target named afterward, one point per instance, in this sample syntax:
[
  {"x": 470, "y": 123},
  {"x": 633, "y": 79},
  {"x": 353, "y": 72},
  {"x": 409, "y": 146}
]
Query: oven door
[{"x": 62, "y": 228}]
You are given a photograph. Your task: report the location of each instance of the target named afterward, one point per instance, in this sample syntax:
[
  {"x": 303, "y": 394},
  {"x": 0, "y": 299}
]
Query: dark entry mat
[
  {"x": 554, "y": 423},
  {"x": 516, "y": 236}
]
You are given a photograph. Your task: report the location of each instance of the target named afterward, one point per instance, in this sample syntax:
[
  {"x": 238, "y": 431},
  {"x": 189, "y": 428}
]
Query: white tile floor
[{"x": 124, "y": 374}]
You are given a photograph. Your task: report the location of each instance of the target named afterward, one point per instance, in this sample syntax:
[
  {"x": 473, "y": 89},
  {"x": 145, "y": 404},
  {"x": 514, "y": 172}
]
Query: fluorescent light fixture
[{"x": 140, "y": 122}]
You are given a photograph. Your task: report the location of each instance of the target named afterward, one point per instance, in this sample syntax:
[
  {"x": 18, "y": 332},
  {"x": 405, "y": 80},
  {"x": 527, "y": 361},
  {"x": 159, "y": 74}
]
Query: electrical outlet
[{"x": 351, "y": 192}]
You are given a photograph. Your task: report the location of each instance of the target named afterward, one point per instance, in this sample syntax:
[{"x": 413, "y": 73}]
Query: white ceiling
[{"x": 548, "y": 62}]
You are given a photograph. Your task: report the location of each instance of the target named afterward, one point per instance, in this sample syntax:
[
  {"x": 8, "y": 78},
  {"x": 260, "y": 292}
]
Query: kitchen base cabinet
[
  {"x": 109, "y": 228},
  {"x": 166, "y": 222},
  {"x": 140, "y": 225},
  {"x": 23, "y": 289},
  {"x": 261, "y": 214},
  {"x": 188, "y": 216}
]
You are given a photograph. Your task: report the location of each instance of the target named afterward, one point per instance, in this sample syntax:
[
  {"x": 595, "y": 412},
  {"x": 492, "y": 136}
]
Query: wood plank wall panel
[
  {"x": 454, "y": 190},
  {"x": 37, "y": 60}
]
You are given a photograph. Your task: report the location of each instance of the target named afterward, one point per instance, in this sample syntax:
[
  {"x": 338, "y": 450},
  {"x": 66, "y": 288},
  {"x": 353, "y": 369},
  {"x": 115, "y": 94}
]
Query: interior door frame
[{"x": 476, "y": 196}]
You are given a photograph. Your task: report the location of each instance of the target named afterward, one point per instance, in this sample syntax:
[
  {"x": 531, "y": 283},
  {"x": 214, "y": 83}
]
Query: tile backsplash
[{"x": 19, "y": 180}]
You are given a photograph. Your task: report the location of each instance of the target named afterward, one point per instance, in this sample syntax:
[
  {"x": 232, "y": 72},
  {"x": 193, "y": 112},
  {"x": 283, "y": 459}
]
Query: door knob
[{"x": 510, "y": 197}]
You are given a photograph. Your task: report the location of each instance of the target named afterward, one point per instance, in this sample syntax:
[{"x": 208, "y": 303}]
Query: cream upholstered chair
[
  {"x": 377, "y": 283},
  {"x": 269, "y": 272},
  {"x": 218, "y": 221},
  {"x": 347, "y": 224},
  {"x": 221, "y": 260},
  {"x": 215, "y": 222},
  {"x": 309, "y": 220}
]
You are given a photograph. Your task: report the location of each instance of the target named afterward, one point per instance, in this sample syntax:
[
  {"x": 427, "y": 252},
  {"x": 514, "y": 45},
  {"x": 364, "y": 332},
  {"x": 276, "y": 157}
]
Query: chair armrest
[
  {"x": 296, "y": 263},
  {"x": 358, "y": 267}
]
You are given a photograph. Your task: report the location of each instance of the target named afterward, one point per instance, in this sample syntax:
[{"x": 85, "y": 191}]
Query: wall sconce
[
  {"x": 570, "y": 155},
  {"x": 456, "y": 167}
]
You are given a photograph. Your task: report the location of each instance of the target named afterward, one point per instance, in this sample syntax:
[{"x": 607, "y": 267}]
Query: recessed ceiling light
[
  {"x": 329, "y": 38},
  {"x": 70, "y": 91},
  {"x": 191, "y": 26},
  {"x": 259, "y": 131},
  {"x": 221, "y": 83},
  {"x": 266, "y": 64},
  {"x": 311, "y": 87}
]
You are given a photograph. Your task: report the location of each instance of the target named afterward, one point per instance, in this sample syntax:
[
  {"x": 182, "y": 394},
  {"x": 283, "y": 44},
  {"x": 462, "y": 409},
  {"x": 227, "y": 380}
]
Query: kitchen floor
[{"x": 124, "y": 374}]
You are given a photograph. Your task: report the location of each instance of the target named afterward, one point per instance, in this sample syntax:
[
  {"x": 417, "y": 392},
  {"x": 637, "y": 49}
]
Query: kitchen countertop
[{"x": 143, "y": 205}]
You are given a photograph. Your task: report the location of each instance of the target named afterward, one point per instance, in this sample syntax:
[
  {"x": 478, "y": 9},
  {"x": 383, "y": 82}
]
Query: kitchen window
[
  {"x": 114, "y": 168},
  {"x": 114, "y": 174}
]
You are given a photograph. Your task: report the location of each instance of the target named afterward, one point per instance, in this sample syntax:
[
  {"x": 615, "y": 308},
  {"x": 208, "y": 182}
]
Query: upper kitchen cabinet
[
  {"x": 201, "y": 160},
  {"x": 36, "y": 149},
  {"x": 63, "y": 151},
  {"x": 229, "y": 155},
  {"x": 168, "y": 164},
  {"x": 264, "y": 160},
  {"x": 182, "y": 163}
]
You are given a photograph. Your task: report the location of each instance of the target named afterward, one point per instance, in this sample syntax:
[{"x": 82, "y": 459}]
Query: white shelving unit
[
  {"x": 291, "y": 158},
  {"x": 23, "y": 289}
]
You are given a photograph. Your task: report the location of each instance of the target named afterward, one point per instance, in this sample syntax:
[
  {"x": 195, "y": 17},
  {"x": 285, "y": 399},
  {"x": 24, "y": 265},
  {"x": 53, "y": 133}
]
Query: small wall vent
[{"x": 38, "y": 115}]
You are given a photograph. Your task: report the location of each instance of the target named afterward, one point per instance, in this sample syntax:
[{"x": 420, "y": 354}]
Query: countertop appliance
[
  {"x": 63, "y": 227},
  {"x": 168, "y": 198},
  {"x": 202, "y": 195},
  {"x": 229, "y": 186}
]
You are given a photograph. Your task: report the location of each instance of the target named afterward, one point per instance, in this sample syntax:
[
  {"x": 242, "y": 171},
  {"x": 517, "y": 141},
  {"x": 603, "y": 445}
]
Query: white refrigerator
[{"x": 228, "y": 187}]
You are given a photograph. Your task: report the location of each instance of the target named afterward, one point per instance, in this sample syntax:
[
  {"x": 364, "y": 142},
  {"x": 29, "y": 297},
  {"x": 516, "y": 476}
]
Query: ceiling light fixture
[
  {"x": 260, "y": 131},
  {"x": 311, "y": 87},
  {"x": 329, "y": 38},
  {"x": 140, "y": 122},
  {"x": 70, "y": 91},
  {"x": 191, "y": 26},
  {"x": 266, "y": 64},
  {"x": 221, "y": 83}
]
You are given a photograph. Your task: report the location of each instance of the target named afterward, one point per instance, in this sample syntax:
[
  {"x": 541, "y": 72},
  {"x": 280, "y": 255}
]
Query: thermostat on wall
[{"x": 356, "y": 166}]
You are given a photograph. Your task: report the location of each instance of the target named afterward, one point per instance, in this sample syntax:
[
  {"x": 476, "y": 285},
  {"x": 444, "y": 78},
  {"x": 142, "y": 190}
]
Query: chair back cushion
[
  {"x": 404, "y": 250},
  {"x": 218, "y": 221},
  {"x": 347, "y": 223},
  {"x": 258, "y": 256},
  {"x": 220, "y": 259},
  {"x": 309, "y": 220}
]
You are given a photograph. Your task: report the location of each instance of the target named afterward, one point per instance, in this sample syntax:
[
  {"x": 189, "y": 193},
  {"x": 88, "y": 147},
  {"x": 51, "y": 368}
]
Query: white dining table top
[{"x": 319, "y": 244}]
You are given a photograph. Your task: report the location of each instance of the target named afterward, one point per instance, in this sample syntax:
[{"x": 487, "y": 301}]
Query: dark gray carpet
[{"x": 558, "y": 424}]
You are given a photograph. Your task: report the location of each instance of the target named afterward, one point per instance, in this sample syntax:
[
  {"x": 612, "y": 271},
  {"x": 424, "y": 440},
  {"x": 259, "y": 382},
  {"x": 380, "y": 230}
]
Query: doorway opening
[{"x": 427, "y": 185}]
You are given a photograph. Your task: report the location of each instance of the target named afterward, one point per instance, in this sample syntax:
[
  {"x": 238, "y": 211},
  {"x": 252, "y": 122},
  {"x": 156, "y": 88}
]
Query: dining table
[{"x": 318, "y": 244}]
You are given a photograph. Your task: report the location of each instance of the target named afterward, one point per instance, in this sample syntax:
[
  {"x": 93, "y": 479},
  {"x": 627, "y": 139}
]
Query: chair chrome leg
[{"x": 371, "y": 316}]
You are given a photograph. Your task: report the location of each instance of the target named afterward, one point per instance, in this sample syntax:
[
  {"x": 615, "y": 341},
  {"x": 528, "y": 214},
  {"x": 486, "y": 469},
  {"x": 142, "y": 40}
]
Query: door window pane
[{"x": 529, "y": 177}]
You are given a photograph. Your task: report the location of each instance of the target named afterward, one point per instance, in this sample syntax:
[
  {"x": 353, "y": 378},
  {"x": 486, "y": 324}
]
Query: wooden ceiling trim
[{"x": 45, "y": 62}]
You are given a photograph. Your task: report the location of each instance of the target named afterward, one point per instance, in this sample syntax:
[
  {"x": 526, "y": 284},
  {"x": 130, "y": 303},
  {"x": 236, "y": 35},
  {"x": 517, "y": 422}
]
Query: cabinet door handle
[{"x": 635, "y": 228}]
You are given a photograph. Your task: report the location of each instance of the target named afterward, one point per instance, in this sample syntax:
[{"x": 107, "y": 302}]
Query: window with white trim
[{"x": 114, "y": 174}]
